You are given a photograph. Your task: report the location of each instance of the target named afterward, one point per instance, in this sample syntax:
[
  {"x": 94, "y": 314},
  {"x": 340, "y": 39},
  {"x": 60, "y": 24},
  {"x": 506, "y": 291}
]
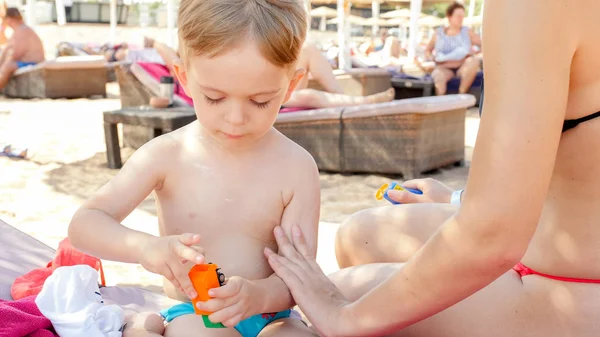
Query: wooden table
[{"x": 160, "y": 120}]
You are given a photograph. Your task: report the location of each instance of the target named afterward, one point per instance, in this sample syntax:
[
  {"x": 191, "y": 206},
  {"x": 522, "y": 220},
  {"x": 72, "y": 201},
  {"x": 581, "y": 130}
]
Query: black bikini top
[{"x": 567, "y": 125}]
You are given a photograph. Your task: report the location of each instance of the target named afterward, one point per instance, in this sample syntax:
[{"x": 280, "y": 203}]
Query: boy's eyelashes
[{"x": 260, "y": 105}]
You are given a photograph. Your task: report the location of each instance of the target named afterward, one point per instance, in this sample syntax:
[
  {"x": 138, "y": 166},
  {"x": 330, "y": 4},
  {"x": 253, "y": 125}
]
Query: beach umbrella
[
  {"x": 403, "y": 13},
  {"x": 324, "y": 13},
  {"x": 431, "y": 21},
  {"x": 353, "y": 19},
  {"x": 376, "y": 21}
]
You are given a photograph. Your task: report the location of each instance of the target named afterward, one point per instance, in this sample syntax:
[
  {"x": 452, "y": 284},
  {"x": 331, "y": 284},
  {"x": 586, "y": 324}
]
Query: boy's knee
[{"x": 144, "y": 324}]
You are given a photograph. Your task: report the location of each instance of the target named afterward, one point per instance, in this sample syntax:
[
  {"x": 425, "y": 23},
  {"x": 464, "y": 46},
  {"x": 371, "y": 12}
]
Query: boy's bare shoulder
[
  {"x": 293, "y": 155},
  {"x": 164, "y": 148}
]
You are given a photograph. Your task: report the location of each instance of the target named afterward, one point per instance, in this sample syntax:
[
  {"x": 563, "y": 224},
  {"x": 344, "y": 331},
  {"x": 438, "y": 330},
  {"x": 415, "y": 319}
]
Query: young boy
[{"x": 223, "y": 182}]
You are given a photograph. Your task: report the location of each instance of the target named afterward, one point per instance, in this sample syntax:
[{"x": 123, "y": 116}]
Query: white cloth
[
  {"x": 457, "y": 54},
  {"x": 71, "y": 300}
]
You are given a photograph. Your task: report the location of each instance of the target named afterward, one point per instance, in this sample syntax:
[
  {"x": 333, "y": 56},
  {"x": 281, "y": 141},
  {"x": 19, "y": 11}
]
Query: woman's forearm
[{"x": 454, "y": 264}]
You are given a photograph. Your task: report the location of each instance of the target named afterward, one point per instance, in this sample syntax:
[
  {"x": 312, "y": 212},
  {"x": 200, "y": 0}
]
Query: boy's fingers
[
  {"x": 224, "y": 314},
  {"x": 211, "y": 305},
  {"x": 189, "y": 239},
  {"x": 228, "y": 290},
  {"x": 187, "y": 253},
  {"x": 184, "y": 280}
]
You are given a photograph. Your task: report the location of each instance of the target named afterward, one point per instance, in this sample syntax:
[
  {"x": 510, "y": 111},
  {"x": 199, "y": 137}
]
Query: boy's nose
[{"x": 236, "y": 116}]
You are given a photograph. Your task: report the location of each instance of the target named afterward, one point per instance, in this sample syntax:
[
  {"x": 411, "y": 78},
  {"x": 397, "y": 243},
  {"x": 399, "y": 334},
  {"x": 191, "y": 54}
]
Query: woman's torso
[
  {"x": 566, "y": 241},
  {"x": 446, "y": 41}
]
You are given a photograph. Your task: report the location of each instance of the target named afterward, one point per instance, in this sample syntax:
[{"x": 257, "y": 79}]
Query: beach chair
[
  {"x": 407, "y": 137},
  {"x": 64, "y": 77},
  {"x": 22, "y": 253}
]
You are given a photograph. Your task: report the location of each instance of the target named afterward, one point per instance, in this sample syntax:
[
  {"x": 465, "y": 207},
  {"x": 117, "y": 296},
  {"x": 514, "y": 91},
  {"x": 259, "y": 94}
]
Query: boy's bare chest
[{"x": 218, "y": 206}]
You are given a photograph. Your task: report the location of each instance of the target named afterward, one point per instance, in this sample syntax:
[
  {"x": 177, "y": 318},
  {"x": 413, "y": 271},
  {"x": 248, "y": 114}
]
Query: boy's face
[{"x": 237, "y": 95}]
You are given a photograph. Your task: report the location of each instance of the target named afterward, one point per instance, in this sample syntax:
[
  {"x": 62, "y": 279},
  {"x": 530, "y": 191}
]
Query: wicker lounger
[
  {"x": 407, "y": 136},
  {"x": 65, "y": 77},
  {"x": 137, "y": 87}
]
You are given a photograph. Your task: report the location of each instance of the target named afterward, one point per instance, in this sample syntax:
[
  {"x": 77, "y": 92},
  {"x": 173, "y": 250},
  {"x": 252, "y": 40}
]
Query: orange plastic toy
[{"x": 205, "y": 277}]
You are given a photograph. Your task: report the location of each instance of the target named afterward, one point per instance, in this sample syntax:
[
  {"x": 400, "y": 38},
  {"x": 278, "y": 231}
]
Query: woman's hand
[
  {"x": 318, "y": 298},
  {"x": 434, "y": 191}
]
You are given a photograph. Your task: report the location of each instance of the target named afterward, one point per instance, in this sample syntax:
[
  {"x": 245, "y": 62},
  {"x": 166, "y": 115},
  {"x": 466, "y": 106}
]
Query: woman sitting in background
[{"x": 453, "y": 47}]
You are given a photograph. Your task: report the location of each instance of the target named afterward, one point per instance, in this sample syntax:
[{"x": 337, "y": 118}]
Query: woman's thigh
[
  {"x": 389, "y": 234},
  {"x": 509, "y": 306}
]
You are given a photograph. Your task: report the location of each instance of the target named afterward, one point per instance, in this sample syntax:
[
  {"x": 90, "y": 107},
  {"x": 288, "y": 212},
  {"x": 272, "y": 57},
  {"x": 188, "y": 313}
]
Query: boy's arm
[
  {"x": 96, "y": 228},
  {"x": 303, "y": 211}
]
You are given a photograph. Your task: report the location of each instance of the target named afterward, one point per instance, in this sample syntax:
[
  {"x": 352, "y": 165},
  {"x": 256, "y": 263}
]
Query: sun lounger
[
  {"x": 407, "y": 136},
  {"x": 64, "y": 77},
  {"x": 139, "y": 82},
  {"x": 359, "y": 81},
  {"x": 22, "y": 253}
]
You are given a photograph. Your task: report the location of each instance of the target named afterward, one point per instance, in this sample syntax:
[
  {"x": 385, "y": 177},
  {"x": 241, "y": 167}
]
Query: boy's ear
[
  {"x": 181, "y": 74},
  {"x": 298, "y": 75}
]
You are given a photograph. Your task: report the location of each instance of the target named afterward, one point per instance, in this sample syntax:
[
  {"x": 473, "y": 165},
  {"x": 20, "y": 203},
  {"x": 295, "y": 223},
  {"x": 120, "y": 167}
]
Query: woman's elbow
[{"x": 499, "y": 245}]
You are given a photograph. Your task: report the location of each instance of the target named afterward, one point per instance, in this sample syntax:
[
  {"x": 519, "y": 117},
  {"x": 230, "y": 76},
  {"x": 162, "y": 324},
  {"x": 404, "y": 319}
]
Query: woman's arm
[{"x": 528, "y": 59}]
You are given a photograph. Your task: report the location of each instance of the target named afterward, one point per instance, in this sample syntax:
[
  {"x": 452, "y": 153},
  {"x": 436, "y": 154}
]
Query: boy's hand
[
  {"x": 167, "y": 256},
  {"x": 231, "y": 303}
]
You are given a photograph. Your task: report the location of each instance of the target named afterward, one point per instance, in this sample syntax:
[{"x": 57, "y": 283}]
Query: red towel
[
  {"x": 157, "y": 70},
  {"x": 23, "y": 318},
  {"x": 32, "y": 282}
]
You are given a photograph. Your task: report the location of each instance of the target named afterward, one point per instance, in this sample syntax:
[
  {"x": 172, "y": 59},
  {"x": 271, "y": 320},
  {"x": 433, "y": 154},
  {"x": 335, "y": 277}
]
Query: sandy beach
[{"x": 67, "y": 163}]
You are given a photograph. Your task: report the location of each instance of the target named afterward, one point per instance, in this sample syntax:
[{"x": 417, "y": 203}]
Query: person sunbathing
[
  {"x": 24, "y": 47},
  {"x": 316, "y": 66}
]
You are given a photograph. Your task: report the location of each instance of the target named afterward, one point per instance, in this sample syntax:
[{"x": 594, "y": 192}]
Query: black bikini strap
[{"x": 571, "y": 123}]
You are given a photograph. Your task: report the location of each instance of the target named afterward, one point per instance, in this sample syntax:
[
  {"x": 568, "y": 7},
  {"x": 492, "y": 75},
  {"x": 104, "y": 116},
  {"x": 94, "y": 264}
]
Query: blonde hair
[{"x": 212, "y": 27}]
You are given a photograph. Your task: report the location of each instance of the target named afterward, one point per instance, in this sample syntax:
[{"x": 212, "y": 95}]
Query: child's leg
[
  {"x": 311, "y": 98},
  {"x": 147, "y": 324},
  {"x": 193, "y": 326},
  {"x": 287, "y": 327}
]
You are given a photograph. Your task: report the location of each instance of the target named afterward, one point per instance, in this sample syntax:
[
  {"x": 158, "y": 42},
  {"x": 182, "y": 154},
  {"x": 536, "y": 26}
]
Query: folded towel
[
  {"x": 32, "y": 282},
  {"x": 23, "y": 318}
]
